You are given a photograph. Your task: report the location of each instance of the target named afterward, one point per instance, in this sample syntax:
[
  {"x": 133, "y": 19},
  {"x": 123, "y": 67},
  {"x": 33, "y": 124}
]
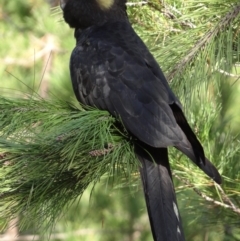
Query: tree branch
[
  {"x": 230, "y": 205},
  {"x": 225, "y": 21}
]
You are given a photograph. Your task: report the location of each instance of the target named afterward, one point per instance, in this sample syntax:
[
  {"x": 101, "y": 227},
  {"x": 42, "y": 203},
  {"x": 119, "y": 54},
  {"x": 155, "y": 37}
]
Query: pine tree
[{"x": 46, "y": 161}]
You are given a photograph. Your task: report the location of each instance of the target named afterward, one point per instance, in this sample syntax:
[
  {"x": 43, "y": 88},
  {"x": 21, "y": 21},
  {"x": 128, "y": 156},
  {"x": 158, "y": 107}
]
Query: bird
[{"x": 112, "y": 69}]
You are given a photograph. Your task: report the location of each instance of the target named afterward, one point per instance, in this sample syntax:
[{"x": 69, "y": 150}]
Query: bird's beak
[{"x": 63, "y": 4}]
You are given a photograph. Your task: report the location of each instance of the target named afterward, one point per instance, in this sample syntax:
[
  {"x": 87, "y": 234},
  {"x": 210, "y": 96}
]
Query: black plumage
[{"x": 112, "y": 69}]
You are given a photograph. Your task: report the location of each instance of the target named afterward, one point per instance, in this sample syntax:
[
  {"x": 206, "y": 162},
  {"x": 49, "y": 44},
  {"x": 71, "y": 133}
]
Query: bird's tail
[{"x": 159, "y": 194}]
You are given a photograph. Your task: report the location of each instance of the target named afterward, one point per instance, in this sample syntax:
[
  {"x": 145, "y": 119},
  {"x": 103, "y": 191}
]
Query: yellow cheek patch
[{"x": 105, "y": 4}]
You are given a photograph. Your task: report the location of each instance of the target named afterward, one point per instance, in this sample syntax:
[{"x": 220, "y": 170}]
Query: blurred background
[{"x": 35, "y": 47}]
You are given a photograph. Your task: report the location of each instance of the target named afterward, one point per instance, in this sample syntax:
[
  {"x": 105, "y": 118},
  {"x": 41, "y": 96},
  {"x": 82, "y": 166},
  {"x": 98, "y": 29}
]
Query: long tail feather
[
  {"x": 192, "y": 147},
  {"x": 207, "y": 166},
  {"x": 159, "y": 194}
]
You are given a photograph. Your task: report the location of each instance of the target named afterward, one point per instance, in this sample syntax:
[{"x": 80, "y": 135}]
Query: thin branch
[
  {"x": 209, "y": 199},
  {"x": 225, "y": 21},
  {"x": 225, "y": 197}
]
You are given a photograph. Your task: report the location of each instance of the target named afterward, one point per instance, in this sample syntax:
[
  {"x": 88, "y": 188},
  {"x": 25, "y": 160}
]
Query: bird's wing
[
  {"x": 113, "y": 70},
  {"x": 109, "y": 74}
]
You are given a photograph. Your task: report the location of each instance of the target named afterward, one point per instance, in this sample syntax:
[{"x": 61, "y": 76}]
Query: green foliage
[
  {"x": 52, "y": 152},
  {"x": 197, "y": 44}
]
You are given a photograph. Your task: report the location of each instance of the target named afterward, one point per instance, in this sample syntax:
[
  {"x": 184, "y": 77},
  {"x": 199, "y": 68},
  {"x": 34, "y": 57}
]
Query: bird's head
[{"x": 85, "y": 13}]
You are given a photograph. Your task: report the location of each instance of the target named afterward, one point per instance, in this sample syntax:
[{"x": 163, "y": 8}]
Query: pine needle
[{"x": 50, "y": 152}]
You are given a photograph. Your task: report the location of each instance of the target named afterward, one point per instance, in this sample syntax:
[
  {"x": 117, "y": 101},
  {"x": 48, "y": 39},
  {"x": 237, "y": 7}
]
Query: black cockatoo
[{"x": 112, "y": 69}]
